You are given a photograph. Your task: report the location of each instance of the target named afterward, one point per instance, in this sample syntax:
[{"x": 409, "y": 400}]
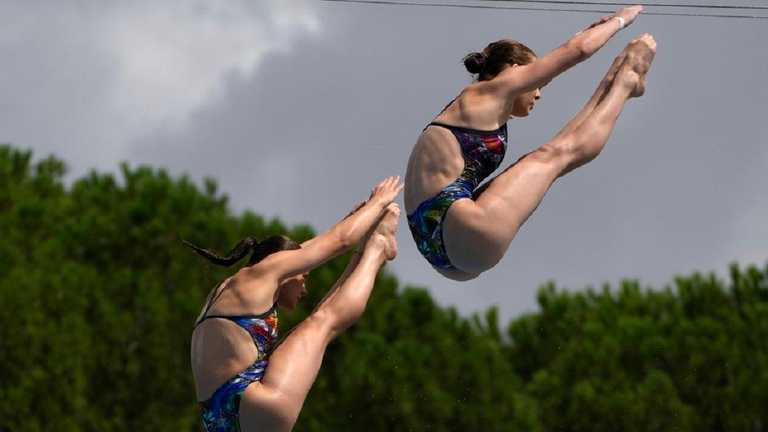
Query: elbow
[
  {"x": 345, "y": 240},
  {"x": 581, "y": 49}
]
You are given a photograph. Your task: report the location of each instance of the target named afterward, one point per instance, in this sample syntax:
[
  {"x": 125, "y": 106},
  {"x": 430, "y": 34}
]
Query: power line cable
[
  {"x": 523, "y": 8},
  {"x": 458, "y": 5},
  {"x": 672, "y": 5}
]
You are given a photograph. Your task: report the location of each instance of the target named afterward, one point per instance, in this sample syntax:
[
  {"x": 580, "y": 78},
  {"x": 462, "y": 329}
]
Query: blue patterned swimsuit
[
  {"x": 221, "y": 412},
  {"x": 483, "y": 152}
]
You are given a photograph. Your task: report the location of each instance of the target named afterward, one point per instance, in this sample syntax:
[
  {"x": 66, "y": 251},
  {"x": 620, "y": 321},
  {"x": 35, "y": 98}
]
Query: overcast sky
[{"x": 298, "y": 107}]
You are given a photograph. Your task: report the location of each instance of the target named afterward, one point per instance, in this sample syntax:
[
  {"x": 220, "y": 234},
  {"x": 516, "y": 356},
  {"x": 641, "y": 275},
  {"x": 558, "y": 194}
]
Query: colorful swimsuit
[
  {"x": 221, "y": 412},
  {"x": 483, "y": 152}
]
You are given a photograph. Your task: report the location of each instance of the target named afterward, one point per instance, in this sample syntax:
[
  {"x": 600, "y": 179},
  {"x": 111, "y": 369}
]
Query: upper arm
[
  {"x": 525, "y": 78},
  {"x": 312, "y": 254}
]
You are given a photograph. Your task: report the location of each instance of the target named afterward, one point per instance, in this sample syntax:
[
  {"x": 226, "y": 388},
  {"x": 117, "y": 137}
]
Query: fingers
[
  {"x": 386, "y": 183},
  {"x": 629, "y": 13},
  {"x": 399, "y": 188},
  {"x": 387, "y": 190},
  {"x": 394, "y": 181}
]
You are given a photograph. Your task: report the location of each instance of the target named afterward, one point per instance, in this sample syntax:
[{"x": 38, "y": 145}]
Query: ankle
[{"x": 375, "y": 249}]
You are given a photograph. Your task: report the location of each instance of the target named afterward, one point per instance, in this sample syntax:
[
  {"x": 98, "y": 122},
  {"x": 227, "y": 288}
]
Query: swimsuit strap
[
  {"x": 478, "y": 131},
  {"x": 501, "y": 129},
  {"x": 240, "y": 317},
  {"x": 214, "y": 295}
]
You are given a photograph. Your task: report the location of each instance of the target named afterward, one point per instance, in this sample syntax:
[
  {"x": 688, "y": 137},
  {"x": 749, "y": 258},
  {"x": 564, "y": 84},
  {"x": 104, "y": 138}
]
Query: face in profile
[
  {"x": 524, "y": 103},
  {"x": 292, "y": 290}
]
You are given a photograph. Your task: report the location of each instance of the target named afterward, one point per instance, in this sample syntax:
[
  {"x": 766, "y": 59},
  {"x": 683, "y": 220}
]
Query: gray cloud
[
  {"x": 90, "y": 76},
  {"x": 680, "y": 186}
]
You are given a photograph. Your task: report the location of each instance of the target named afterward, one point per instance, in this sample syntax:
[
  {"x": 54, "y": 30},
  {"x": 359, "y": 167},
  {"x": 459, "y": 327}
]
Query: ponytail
[{"x": 258, "y": 249}]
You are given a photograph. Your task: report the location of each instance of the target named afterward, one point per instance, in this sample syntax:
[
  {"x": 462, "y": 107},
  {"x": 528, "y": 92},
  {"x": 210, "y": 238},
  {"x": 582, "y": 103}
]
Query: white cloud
[
  {"x": 98, "y": 75},
  {"x": 174, "y": 58}
]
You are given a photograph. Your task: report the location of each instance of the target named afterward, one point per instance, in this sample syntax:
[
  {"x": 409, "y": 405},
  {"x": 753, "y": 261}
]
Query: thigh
[
  {"x": 478, "y": 232},
  {"x": 275, "y": 402},
  {"x": 470, "y": 243}
]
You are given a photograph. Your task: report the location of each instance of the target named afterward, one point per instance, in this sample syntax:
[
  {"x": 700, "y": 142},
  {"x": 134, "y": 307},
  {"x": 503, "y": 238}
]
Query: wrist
[
  {"x": 622, "y": 22},
  {"x": 380, "y": 202}
]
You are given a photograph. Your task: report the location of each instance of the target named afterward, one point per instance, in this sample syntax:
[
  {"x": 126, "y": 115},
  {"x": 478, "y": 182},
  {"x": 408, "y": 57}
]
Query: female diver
[
  {"x": 235, "y": 334},
  {"x": 464, "y": 230}
]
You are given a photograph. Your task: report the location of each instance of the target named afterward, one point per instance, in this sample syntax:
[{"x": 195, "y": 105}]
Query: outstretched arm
[
  {"x": 295, "y": 362},
  {"x": 339, "y": 238},
  {"x": 525, "y": 78}
]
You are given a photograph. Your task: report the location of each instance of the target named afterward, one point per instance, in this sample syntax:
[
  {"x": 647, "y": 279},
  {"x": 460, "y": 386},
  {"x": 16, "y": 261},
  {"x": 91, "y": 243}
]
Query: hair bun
[{"x": 474, "y": 62}]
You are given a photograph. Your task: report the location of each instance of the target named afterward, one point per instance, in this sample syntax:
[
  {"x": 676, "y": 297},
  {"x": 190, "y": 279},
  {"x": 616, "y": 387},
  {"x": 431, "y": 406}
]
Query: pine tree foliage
[{"x": 99, "y": 297}]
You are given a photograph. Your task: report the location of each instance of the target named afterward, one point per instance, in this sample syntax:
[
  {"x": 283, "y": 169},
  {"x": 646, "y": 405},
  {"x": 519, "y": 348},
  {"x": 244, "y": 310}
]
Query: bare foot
[
  {"x": 639, "y": 56},
  {"x": 383, "y": 236},
  {"x": 642, "y": 49},
  {"x": 617, "y": 62},
  {"x": 635, "y": 51}
]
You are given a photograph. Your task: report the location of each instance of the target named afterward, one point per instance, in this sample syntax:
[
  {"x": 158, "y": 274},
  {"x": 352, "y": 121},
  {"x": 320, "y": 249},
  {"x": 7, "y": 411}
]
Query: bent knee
[
  {"x": 331, "y": 320},
  {"x": 559, "y": 152},
  {"x": 321, "y": 323},
  {"x": 583, "y": 139},
  {"x": 572, "y": 149}
]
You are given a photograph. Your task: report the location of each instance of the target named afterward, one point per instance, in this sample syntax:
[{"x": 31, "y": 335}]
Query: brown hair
[
  {"x": 488, "y": 63},
  {"x": 260, "y": 250}
]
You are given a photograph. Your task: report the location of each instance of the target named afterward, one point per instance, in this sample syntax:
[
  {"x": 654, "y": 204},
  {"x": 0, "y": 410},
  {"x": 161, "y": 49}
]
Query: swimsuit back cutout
[
  {"x": 261, "y": 327},
  {"x": 483, "y": 152},
  {"x": 221, "y": 412}
]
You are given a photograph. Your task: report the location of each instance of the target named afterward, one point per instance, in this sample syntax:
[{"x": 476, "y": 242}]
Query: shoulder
[{"x": 255, "y": 286}]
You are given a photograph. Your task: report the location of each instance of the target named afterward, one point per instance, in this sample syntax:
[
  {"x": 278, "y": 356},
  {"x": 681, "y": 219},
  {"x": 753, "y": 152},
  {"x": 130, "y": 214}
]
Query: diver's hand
[
  {"x": 629, "y": 14},
  {"x": 386, "y": 191}
]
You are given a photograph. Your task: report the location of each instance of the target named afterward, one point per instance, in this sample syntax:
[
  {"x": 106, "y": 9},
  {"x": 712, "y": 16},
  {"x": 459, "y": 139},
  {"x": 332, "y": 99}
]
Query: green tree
[
  {"x": 99, "y": 298},
  {"x": 689, "y": 357}
]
